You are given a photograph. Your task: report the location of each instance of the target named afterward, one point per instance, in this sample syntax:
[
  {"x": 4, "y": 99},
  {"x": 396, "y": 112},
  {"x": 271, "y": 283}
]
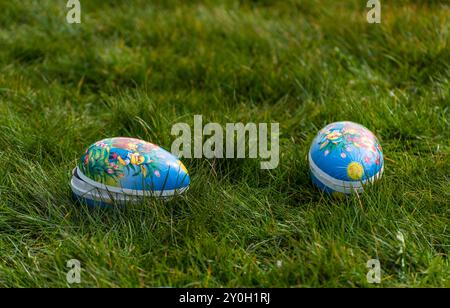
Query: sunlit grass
[{"x": 137, "y": 69}]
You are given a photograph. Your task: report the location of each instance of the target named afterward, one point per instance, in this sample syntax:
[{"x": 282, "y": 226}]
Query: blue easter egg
[
  {"x": 345, "y": 156},
  {"x": 126, "y": 170}
]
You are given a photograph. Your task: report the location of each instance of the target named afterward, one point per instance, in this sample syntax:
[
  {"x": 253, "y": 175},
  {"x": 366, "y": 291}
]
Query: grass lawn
[{"x": 136, "y": 68}]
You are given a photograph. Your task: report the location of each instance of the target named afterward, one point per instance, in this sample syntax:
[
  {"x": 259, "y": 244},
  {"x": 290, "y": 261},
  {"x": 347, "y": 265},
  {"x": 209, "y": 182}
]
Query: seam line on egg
[{"x": 126, "y": 191}]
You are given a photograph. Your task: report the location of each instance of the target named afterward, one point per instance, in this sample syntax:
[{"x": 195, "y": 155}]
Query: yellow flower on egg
[
  {"x": 333, "y": 136},
  {"x": 137, "y": 159},
  {"x": 355, "y": 171}
]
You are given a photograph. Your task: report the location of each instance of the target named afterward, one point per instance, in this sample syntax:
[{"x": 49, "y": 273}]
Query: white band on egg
[
  {"x": 340, "y": 185},
  {"x": 87, "y": 191},
  {"x": 130, "y": 192}
]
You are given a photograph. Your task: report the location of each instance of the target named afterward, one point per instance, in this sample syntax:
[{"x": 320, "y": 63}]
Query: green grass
[{"x": 135, "y": 69}]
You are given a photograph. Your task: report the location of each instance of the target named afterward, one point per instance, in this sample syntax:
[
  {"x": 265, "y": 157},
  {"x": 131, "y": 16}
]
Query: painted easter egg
[
  {"x": 345, "y": 156},
  {"x": 127, "y": 170}
]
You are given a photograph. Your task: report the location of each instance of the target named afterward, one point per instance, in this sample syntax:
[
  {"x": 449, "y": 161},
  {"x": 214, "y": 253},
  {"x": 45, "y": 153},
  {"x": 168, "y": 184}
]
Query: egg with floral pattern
[
  {"x": 344, "y": 156},
  {"x": 127, "y": 170}
]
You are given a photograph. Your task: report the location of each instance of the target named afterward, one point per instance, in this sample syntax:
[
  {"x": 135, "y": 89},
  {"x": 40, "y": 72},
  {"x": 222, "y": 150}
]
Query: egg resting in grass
[
  {"x": 127, "y": 170},
  {"x": 345, "y": 156}
]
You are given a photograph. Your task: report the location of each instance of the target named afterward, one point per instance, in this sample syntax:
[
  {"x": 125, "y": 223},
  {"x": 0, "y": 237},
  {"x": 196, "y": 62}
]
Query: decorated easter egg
[
  {"x": 127, "y": 170},
  {"x": 345, "y": 156}
]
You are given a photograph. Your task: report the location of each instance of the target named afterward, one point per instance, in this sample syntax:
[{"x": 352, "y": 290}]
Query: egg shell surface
[
  {"x": 344, "y": 156},
  {"x": 132, "y": 166}
]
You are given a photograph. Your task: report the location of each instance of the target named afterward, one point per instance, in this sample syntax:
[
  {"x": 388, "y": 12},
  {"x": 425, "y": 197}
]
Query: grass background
[{"x": 136, "y": 68}]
